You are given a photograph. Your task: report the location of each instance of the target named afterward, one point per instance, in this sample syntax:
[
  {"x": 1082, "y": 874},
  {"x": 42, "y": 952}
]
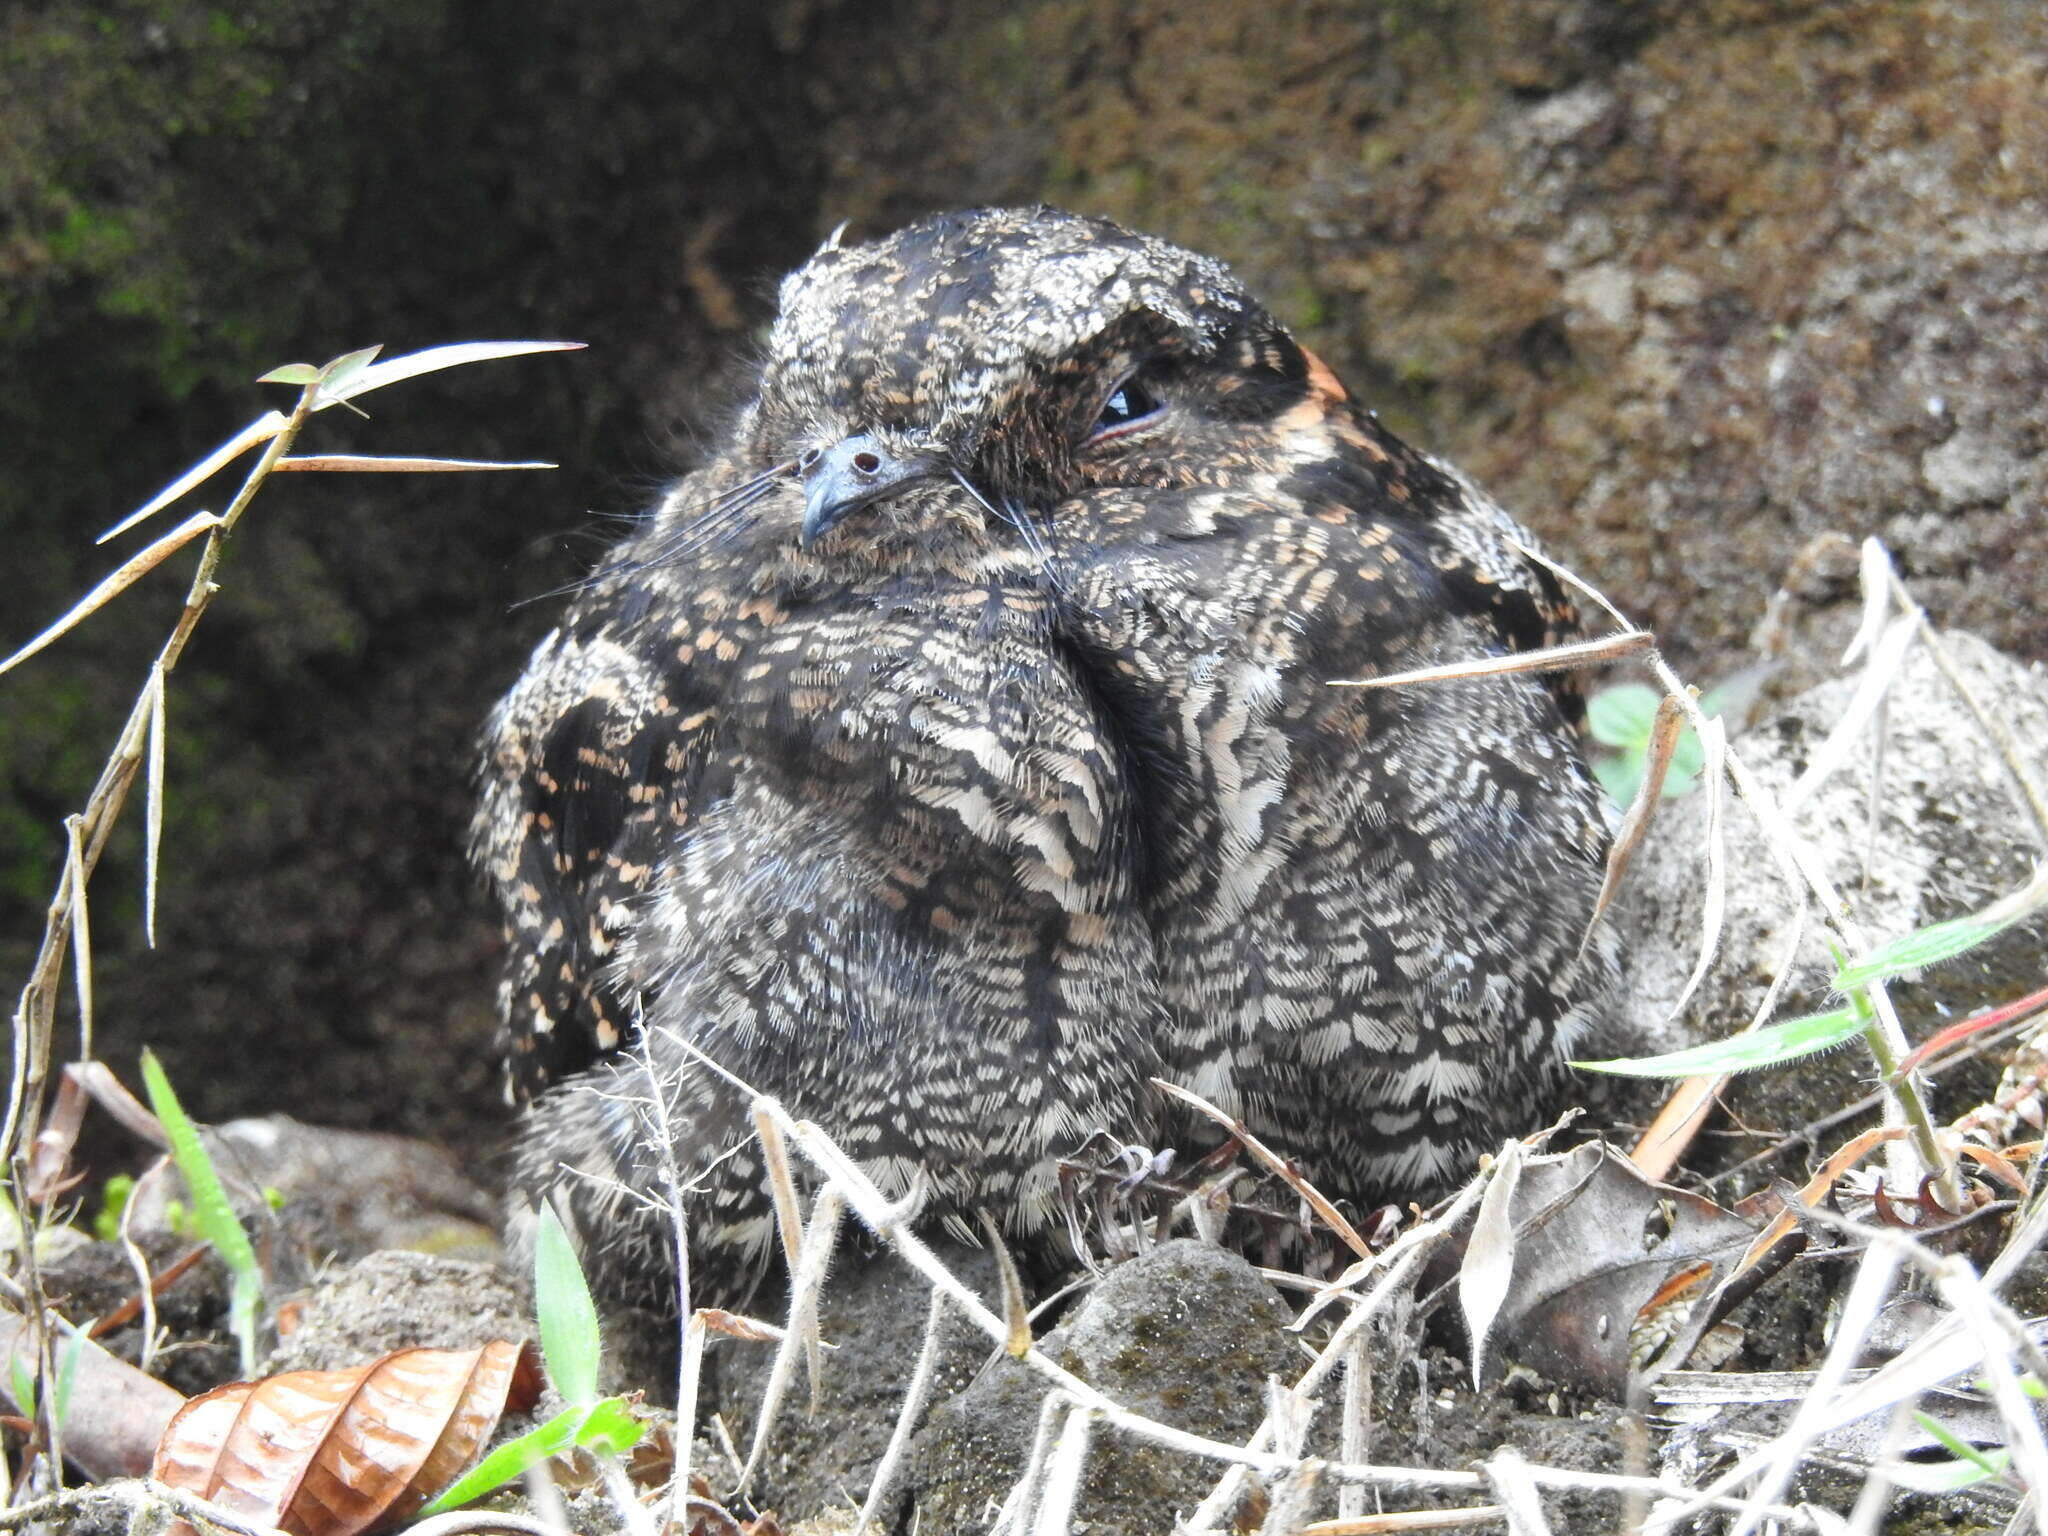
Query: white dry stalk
[
  {"x": 1879, "y": 673},
  {"x": 690, "y": 1357},
  {"x": 1874, "y": 1498},
  {"x": 805, "y": 1287},
  {"x": 1355, "y": 1430},
  {"x": 789, "y": 1223},
  {"x": 915, "y": 1396},
  {"x": 1714, "y": 901},
  {"x": 1556, "y": 658},
  {"x": 1403, "y": 1258},
  {"x": 1507, "y": 1473},
  {"x": 633, "y": 1515},
  {"x": 153, "y": 802},
  {"x": 1063, "y": 1471},
  {"x": 1867, "y": 1294},
  {"x": 1965, "y": 1293},
  {"x": 1020, "y": 1506},
  {"x": 2028, "y": 791},
  {"x": 1293, "y": 1500}
]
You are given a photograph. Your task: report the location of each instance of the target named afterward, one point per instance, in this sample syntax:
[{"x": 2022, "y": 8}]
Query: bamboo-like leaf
[
  {"x": 341, "y": 386},
  {"x": 81, "y": 930},
  {"x": 1944, "y": 941},
  {"x": 1556, "y": 658},
  {"x": 367, "y": 463},
  {"x": 569, "y": 1338},
  {"x": 118, "y": 581},
  {"x": 1770, "y": 1046},
  {"x": 339, "y": 373},
  {"x": 412, "y": 364},
  {"x": 153, "y": 805},
  {"x": 300, "y": 374},
  {"x": 261, "y": 430}
]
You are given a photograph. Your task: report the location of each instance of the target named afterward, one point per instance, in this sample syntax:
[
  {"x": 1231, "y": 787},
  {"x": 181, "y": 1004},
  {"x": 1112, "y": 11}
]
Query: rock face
[{"x": 1950, "y": 837}]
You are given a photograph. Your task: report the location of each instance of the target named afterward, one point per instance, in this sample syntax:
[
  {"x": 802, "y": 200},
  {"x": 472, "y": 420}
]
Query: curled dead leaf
[{"x": 337, "y": 1453}]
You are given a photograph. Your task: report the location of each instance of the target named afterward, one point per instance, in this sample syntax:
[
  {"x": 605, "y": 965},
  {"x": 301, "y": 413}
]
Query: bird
[{"x": 957, "y": 749}]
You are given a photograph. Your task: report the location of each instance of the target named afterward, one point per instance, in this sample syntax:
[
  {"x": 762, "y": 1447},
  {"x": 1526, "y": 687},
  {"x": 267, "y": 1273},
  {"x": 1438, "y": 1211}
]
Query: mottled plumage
[{"x": 954, "y": 751}]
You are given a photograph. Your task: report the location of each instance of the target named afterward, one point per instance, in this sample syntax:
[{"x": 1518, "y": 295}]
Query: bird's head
[{"x": 955, "y": 385}]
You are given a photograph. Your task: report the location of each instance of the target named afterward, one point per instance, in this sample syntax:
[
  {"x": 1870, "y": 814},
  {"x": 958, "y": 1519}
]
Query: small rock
[{"x": 1970, "y": 469}]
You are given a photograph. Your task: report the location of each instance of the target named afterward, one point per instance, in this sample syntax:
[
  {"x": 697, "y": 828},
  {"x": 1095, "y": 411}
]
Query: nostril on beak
[{"x": 867, "y": 463}]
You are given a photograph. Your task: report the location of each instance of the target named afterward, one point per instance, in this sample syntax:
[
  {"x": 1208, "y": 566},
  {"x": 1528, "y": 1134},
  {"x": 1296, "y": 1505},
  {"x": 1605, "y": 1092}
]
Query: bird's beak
[{"x": 846, "y": 477}]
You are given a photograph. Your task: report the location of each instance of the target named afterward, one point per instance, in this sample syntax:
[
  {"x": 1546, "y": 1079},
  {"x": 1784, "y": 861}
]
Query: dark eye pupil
[{"x": 1131, "y": 401}]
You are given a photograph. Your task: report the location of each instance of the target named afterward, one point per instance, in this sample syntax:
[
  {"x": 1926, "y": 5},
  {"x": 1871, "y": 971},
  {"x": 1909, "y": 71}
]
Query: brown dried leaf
[
  {"x": 336, "y": 1453},
  {"x": 1594, "y": 1244}
]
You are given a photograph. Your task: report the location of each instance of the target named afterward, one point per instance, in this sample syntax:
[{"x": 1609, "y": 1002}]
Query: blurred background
[{"x": 1705, "y": 290}]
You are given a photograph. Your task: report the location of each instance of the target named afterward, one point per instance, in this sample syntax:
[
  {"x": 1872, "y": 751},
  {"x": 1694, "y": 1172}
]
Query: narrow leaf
[
  {"x": 413, "y": 364},
  {"x": 337, "y": 374},
  {"x": 1875, "y": 578},
  {"x": 261, "y": 430},
  {"x": 364, "y": 463},
  {"x": 1879, "y": 673},
  {"x": 81, "y": 930},
  {"x": 569, "y": 1339},
  {"x": 120, "y": 580},
  {"x": 301, "y": 374},
  {"x": 67, "y": 1375},
  {"x": 1767, "y": 1047},
  {"x": 153, "y": 805},
  {"x": 1954, "y": 1444},
  {"x": 1488, "y": 1268},
  {"x": 1944, "y": 941},
  {"x": 604, "y": 1426},
  {"x": 1666, "y": 722},
  {"x": 1938, "y": 1477},
  {"x": 216, "y": 1218}
]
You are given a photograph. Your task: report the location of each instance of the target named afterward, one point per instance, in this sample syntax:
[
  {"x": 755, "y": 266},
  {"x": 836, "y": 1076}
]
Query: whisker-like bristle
[{"x": 718, "y": 517}]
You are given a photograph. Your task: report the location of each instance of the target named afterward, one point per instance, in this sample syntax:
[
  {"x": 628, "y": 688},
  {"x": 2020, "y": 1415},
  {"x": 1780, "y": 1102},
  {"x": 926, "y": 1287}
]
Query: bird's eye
[{"x": 1129, "y": 405}]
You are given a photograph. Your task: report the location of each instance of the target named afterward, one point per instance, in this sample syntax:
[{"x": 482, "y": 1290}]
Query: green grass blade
[
  {"x": 1767, "y": 1047},
  {"x": 1955, "y": 1445},
  {"x": 215, "y": 1217},
  {"x": 569, "y": 1337},
  {"x": 605, "y": 1427}
]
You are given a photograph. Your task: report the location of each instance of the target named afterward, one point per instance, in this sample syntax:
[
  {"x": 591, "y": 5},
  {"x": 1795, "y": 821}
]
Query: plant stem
[{"x": 35, "y": 1012}]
